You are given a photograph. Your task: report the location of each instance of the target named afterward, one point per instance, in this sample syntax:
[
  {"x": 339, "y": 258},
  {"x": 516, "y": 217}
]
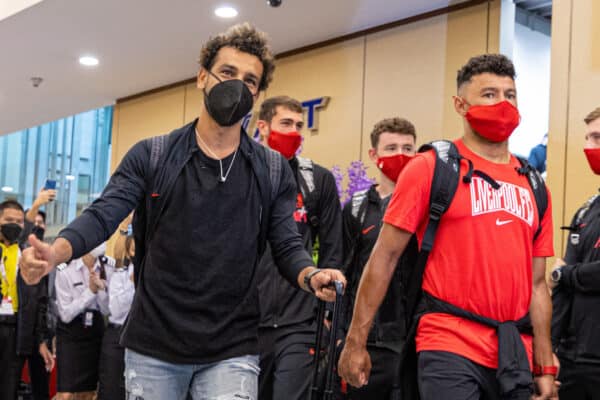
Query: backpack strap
[
  {"x": 444, "y": 183},
  {"x": 538, "y": 186},
  {"x": 306, "y": 169},
  {"x": 274, "y": 166},
  {"x": 306, "y": 181},
  {"x": 359, "y": 203},
  {"x": 273, "y": 161}
]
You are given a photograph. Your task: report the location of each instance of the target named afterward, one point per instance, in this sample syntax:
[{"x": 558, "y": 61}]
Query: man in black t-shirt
[{"x": 207, "y": 198}]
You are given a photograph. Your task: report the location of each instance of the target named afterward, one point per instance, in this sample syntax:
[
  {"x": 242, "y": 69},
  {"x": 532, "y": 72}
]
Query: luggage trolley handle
[{"x": 327, "y": 391}]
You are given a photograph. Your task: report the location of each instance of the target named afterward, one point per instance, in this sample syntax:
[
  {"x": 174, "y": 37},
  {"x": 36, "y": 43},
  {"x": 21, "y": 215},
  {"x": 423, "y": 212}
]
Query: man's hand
[
  {"x": 96, "y": 283},
  {"x": 545, "y": 388},
  {"x": 37, "y": 261},
  {"x": 44, "y": 197},
  {"x": 322, "y": 282},
  {"x": 355, "y": 364},
  {"x": 48, "y": 356}
]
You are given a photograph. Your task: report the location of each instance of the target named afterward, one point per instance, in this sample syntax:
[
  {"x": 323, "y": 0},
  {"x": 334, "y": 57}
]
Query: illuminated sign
[{"x": 312, "y": 108}]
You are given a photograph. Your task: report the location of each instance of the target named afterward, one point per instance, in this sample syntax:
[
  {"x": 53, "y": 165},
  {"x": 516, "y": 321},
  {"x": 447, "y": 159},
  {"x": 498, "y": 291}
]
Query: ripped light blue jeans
[{"x": 147, "y": 378}]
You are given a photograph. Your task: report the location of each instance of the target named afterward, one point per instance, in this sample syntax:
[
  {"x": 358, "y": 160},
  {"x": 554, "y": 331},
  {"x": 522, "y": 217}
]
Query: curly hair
[
  {"x": 269, "y": 106},
  {"x": 591, "y": 117},
  {"x": 497, "y": 64},
  {"x": 246, "y": 38},
  {"x": 392, "y": 125}
]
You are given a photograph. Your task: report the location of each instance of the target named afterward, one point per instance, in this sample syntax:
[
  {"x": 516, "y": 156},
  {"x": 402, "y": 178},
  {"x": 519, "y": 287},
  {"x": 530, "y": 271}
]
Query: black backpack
[{"x": 446, "y": 178}]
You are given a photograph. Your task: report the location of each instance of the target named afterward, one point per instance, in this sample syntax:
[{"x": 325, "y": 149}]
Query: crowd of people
[{"x": 212, "y": 289}]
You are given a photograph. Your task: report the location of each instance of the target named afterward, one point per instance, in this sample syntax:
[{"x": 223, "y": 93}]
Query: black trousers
[
  {"x": 456, "y": 378},
  {"x": 579, "y": 381},
  {"x": 39, "y": 376},
  {"x": 385, "y": 366},
  {"x": 10, "y": 364},
  {"x": 286, "y": 364},
  {"x": 112, "y": 366}
]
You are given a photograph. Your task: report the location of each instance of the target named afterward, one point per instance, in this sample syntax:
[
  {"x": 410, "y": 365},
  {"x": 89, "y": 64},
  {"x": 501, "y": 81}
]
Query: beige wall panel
[
  {"x": 584, "y": 97},
  {"x": 466, "y": 36},
  {"x": 335, "y": 71},
  {"x": 570, "y": 178},
  {"x": 559, "y": 102},
  {"x": 405, "y": 77},
  {"x": 145, "y": 117},
  {"x": 193, "y": 102}
]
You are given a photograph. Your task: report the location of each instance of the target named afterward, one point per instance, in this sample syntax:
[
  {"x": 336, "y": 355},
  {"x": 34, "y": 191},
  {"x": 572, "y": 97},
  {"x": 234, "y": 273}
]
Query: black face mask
[
  {"x": 11, "y": 232},
  {"x": 228, "y": 101},
  {"x": 38, "y": 231}
]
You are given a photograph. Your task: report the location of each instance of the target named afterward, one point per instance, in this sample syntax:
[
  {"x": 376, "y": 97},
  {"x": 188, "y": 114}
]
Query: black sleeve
[
  {"x": 350, "y": 227},
  {"x": 584, "y": 278},
  {"x": 42, "y": 332},
  {"x": 124, "y": 192},
  {"x": 570, "y": 256},
  {"x": 330, "y": 224},
  {"x": 286, "y": 243}
]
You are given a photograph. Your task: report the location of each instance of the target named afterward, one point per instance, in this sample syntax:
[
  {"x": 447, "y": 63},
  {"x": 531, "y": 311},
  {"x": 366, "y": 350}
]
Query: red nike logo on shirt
[{"x": 368, "y": 229}]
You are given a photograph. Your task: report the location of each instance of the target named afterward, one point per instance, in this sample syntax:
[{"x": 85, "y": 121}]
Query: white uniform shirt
[
  {"x": 120, "y": 294},
  {"x": 73, "y": 294}
]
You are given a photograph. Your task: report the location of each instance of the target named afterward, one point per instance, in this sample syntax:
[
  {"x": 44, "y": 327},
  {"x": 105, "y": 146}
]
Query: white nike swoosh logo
[{"x": 500, "y": 223}]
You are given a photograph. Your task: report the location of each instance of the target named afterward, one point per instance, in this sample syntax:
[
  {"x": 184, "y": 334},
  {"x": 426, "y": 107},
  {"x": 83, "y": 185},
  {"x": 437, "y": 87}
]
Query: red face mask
[
  {"x": 496, "y": 122},
  {"x": 285, "y": 143},
  {"x": 593, "y": 157},
  {"x": 391, "y": 166}
]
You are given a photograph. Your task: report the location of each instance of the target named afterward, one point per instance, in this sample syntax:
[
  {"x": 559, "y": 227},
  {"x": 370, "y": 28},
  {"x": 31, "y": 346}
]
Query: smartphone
[{"x": 50, "y": 184}]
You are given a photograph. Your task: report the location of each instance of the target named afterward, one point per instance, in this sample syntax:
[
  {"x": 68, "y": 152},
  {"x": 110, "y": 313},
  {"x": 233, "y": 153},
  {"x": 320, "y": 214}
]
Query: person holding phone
[{"x": 37, "y": 217}]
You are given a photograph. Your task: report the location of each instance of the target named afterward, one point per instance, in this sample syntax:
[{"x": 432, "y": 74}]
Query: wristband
[
  {"x": 308, "y": 277},
  {"x": 538, "y": 370}
]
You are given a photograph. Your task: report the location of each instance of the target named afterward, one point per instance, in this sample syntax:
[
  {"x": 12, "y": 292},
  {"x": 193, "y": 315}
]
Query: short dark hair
[
  {"x": 42, "y": 214},
  {"x": 392, "y": 125},
  {"x": 497, "y": 64},
  {"x": 268, "y": 108},
  {"x": 245, "y": 38},
  {"x": 592, "y": 116},
  {"x": 12, "y": 204}
]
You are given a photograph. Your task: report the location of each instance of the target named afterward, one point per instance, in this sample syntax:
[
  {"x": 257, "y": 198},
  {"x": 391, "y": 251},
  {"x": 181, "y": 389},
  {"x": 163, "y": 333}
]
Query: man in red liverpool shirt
[{"x": 487, "y": 258}]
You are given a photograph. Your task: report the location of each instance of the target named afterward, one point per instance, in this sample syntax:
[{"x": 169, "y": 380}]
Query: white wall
[{"x": 531, "y": 56}]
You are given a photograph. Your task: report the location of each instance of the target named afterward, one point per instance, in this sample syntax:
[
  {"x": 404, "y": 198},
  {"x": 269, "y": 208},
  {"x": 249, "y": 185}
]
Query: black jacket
[
  {"x": 133, "y": 186},
  {"x": 389, "y": 326},
  {"x": 282, "y": 305},
  {"x": 576, "y": 298}
]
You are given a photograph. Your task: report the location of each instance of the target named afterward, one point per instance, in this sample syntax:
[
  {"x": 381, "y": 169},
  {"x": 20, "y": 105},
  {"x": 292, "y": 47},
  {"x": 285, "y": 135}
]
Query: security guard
[
  {"x": 120, "y": 296},
  {"x": 82, "y": 300},
  {"x": 392, "y": 147},
  {"x": 12, "y": 220},
  {"x": 576, "y": 295}
]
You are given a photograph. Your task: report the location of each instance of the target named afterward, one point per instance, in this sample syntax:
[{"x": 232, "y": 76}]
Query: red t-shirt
[{"x": 482, "y": 256}]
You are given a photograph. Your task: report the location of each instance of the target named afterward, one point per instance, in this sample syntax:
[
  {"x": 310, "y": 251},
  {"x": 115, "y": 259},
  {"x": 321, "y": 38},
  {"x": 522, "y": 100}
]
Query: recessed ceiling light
[
  {"x": 88, "y": 61},
  {"x": 7, "y": 189},
  {"x": 226, "y": 12}
]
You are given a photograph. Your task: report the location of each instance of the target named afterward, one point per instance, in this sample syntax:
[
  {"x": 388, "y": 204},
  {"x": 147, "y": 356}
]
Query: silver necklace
[{"x": 222, "y": 178}]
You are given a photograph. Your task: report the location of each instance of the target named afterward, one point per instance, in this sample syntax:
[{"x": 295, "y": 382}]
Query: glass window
[{"x": 74, "y": 151}]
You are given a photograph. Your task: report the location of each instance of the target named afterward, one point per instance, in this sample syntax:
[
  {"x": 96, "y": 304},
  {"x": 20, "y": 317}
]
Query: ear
[
  {"x": 201, "y": 78},
  {"x": 263, "y": 129},
  {"x": 460, "y": 105},
  {"x": 373, "y": 155}
]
